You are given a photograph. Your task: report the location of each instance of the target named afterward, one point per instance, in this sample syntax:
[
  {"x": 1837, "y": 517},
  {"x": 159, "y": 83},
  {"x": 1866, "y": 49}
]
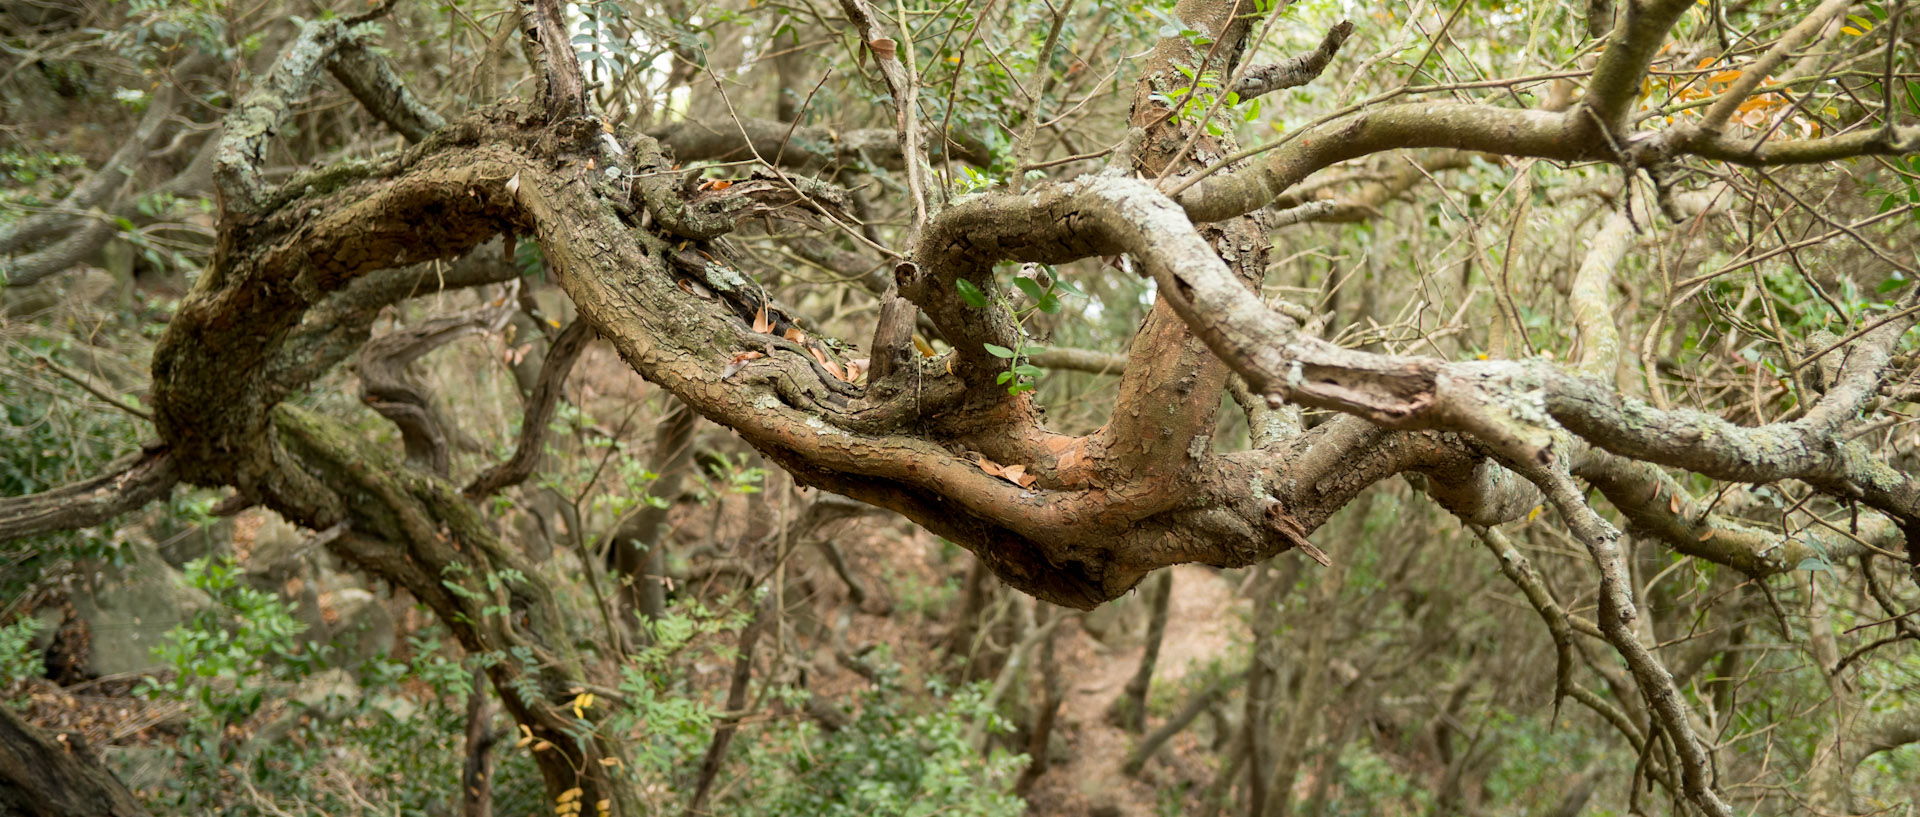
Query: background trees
[{"x": 1445, "y": 297}]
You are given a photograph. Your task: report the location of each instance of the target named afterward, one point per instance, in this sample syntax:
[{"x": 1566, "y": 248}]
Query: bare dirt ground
[{"x": 1200, "y": 623}]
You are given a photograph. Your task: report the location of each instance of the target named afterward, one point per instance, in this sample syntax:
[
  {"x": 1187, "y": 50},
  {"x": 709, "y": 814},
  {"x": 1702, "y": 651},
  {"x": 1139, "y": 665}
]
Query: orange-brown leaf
[
  {"x": 1017, "y": 474},
  {"x": 760, "y": 323},
  {"x": 992, "y": 468},
  {"x": 739, "y": 362}
]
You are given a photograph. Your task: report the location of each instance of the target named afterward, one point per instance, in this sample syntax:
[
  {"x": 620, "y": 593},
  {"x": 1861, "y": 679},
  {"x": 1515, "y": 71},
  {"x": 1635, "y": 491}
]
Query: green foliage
[
  {"x": 220, "y": 657},
  {"x": 35, "y": 178},
  {"x": 374, "y": 743},
  {"x": 19, "y": 661},
  {"x": 50, "y": 435},
  {"x": 893, "y": 761},
  {"x": 1044, "y": 299},
  {"x": 668, "y": 726}
]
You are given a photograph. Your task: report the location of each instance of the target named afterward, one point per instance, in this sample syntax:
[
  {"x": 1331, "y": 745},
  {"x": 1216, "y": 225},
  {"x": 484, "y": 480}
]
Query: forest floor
[{"x": 1200, "y": 622}]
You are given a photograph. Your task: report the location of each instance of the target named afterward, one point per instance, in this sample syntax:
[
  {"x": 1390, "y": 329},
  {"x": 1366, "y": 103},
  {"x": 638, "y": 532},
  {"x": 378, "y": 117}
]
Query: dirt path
[{"x": 1200, "y": 622}]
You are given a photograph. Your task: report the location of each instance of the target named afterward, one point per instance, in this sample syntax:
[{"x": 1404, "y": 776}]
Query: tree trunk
[
  {"x": 45, "y": 775},
  {"x": 1131, "y": 709}
]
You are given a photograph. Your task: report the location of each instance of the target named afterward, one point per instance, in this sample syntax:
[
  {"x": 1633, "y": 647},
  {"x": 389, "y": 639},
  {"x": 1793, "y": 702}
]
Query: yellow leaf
[
  {"x": 568, "y": 796},
  {"x": 1535, "y": 513},
  {"x": 526, "y": 737},
  {"x": 1851, "y": 30}
]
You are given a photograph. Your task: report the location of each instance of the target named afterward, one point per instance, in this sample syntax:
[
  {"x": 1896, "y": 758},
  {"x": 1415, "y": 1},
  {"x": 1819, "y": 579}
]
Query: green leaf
[
  {"x": 1814, "y": 563},
  {"x": 1049, "y": 304},
  {"x": 1028, "y": 370},
  {"x": 1004, "y": 377},
  {"x": 1029, "y": 286},
  {"x": 998, "y": 351},
  {"x": 970, "y": 293},
  {"x": 1067, "y": 286}
]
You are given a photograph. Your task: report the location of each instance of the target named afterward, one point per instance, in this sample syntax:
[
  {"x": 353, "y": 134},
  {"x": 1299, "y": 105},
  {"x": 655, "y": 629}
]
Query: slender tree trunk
[
  {"x": 1130, "y": 711},
  {"x": 767, "y": 615},
  {"x": 639, "y": 547},
  {"x": 1260, "y": 681},
  {"x": 476, "y": 779},
  {"x": 1053, "y": 690}
]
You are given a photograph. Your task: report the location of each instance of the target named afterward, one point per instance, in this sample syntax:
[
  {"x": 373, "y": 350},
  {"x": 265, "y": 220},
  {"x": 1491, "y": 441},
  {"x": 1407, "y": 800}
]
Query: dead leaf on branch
[
  {"x": 1016, "y": 474},
  {"x": 832, "y": 367},
  {"x": 739, "y": 362},
  {"x": 761, "y": 325}
]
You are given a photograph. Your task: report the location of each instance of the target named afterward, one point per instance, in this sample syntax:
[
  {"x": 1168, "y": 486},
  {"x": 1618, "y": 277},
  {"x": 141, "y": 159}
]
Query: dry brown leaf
[
  {"x": 1706, "y": 534},
  {"x": 739, "y": 362},
  {"x": 695, "y": 288},
  {"x": 992, "y": 468},
  {"x": 856, "y": 368},
  {"x": 1673, "y": 503},
  {"x": 795, "y": 335},
  {"x": 760, "y": 323},
  {"x": 1017, "y": 474}
]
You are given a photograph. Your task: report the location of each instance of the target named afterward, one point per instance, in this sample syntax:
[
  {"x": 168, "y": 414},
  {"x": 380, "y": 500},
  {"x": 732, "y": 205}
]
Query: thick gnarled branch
[{"x": 129, "y": 483}]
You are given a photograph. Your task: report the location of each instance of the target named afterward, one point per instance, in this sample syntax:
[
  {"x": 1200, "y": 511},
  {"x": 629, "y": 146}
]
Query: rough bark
[{"x": 44, "y": 775}]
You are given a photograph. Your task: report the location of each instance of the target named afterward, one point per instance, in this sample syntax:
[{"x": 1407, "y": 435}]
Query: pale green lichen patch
[{"x": 725, "y": 279}]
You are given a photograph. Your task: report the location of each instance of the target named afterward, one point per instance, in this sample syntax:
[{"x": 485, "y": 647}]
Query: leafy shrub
[
  {"x": 894, "y": 761},
  {"x": 19, "y": 661}
]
